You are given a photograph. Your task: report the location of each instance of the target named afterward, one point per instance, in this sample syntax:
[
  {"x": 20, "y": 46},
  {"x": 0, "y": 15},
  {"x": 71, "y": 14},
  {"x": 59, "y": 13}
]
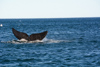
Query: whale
[{"x": 32, "y": 37}]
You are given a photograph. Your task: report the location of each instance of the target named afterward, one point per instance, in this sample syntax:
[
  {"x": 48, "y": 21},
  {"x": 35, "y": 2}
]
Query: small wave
[{"x": 23, "y": 41}]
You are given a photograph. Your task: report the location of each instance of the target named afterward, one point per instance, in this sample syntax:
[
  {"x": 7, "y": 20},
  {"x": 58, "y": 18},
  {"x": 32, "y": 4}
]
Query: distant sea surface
[{"x": 70, "y": 42}]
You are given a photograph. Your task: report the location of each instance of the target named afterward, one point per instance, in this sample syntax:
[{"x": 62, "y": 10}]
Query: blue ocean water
[{"x": 70, "y": 42}]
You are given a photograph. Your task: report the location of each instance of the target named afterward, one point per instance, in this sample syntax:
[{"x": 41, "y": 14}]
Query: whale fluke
[{"x": 32, "y": 37}]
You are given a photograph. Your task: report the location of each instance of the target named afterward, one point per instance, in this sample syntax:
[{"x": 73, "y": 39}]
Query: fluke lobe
[{"x": 32, "y": 37}]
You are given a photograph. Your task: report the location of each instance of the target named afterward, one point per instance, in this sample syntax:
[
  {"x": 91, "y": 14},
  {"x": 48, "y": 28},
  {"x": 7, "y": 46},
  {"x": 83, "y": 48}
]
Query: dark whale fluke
[{"x": 32, "y": 37}]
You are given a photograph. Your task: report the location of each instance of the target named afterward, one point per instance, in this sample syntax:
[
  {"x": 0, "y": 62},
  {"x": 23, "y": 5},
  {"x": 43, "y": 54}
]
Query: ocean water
[{"x": 70, "y": 42}]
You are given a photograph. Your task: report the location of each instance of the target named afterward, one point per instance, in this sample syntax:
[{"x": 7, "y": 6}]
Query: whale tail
[{"x": 32, "y": 37}]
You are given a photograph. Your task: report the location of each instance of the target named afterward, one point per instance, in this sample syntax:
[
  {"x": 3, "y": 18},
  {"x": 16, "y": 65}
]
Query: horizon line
[{"x": 50, "y": 18}]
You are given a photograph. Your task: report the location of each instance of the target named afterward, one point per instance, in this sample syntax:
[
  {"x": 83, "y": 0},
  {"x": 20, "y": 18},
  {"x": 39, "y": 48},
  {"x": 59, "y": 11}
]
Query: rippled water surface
[{"x": 70, "y": 42}]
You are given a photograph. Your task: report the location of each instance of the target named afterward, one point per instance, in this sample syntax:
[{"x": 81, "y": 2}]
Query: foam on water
[
  {"x": 23, "y": 41},
  {"x": 54, "y": 41}
]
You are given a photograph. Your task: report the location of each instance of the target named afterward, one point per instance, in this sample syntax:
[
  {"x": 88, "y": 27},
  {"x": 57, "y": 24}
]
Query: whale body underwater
[{"x": 32, "y": 37}]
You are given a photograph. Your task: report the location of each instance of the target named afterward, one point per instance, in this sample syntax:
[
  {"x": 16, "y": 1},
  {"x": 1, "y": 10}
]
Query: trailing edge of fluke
[{"x": 32, "y": 37}]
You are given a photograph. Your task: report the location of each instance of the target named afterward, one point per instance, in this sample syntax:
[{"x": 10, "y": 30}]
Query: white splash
[
  {"x": 54, "y": 41},
  {"x": 45, "y": 40},
  {"x": 23, "y": 40},
  {"x": 1, "y": 25}
]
